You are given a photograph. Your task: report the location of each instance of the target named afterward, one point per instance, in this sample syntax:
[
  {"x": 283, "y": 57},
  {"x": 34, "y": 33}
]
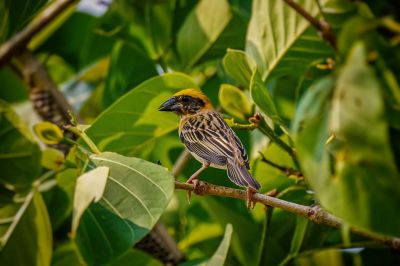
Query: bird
[{"x": 210, "y": 140}]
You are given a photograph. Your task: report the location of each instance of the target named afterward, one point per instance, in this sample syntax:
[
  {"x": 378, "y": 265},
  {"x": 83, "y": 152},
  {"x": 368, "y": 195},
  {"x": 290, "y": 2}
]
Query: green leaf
[
  {"x": 234, "y": 102},
  {"x": 262, "y": 97},
  {"x": 27, "y": 238},
  {"x": 361, "y": 150},
  {"x": 19, "y": 152},
  {"x": 14, "y": 89},
  {"x": 246, "y": 235},
  {"x": 281, "y": 41},
  {"x": 48, "y": 133},
  {"x": 135, "y": 257},
  {"x": 298, "y": 237},
  {"x": 128, "y": 68},
  {"x": 59, "y": 200},
  {"x": 134, "y": 122},
  {"x": 313, "y": 102},
  {"x": 52, "y": 159},
  {"x": 364, "y": 153},
  {"x": 89, "y": 188},
  {"x": 143, "y": 186},
  {"x": 218, "y": 259},
  {"x": 67, "y": 254},
  {"x": 201, "y": 30},
  {"x": 239, "y": 66},
  {"x": 136, "y": 194}
]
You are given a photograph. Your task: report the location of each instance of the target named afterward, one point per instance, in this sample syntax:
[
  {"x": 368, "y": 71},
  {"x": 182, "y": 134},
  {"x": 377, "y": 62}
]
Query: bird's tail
[{"x": 240, "y": 176}]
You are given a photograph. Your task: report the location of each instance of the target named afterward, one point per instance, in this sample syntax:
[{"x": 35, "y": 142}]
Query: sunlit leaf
[
  {"x": 134, "y": 122},
  {"x": 19, "y": 153},
  {"x": 234, "y": 102},
  {"x": 239, "y": 66},
  {"x": 27, "y": 238},
  {"x": 207, "y": 21},
  {"x": 218, "y": 259},
  {"x": 48, "y": 133},
  {"x": 136, "y": 194},
  {"x": 52, "y": 159},
  {"x": 281, "y": 41},
  {"x": 89, "y": 188}
]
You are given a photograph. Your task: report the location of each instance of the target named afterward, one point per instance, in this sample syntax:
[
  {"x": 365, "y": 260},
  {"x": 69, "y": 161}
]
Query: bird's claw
[
  {"x": 195, "y": 183},
  {"x": 249, "y": 198}
]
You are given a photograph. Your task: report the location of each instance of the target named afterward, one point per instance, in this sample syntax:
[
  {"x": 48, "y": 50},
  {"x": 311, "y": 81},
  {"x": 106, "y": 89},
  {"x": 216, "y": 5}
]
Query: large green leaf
[
  {"x": 136, "y": 194},
  {"x": 19, "y": 153},
  {"x": 128, "y": 68},
  {"x": 239, "y": 66},
  {"x": 210, "y": 28},
  {"x": 365, "y": 174},
  {"x": 218, "y": 258},
  {"x": 281, "y": 41},
  {"x": 26, "y": 233},
  {"x": 246, "y": 236},
  {"x": 89, "y": 188},
  {"x": 134, "y": 122}
]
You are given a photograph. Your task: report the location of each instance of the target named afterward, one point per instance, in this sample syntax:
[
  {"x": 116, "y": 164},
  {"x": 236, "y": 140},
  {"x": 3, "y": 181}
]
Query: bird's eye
[{"x": 185, "y": 99}]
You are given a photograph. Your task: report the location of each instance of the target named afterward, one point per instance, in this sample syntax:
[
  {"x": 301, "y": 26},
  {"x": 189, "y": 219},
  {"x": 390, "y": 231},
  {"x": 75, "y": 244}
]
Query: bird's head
[{"x": 188, "y": 101}]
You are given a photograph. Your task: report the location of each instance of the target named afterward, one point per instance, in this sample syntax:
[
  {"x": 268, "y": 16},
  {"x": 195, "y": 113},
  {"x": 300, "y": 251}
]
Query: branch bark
[
  {"x": 313, "y": 213},
  {"x": 320, "y": 24},
  {"x": 19, "y": 41}
]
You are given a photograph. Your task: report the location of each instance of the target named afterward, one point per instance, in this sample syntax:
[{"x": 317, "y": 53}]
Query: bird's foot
[
  {"x": 249, "y": 198},
  {"x": 192, "y": 180}
]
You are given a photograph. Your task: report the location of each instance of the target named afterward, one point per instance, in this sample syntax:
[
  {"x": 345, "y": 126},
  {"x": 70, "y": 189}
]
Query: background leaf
[
  {"x": 133, "y": 122},
  {"x": 30, "y": 242},
  {"x": 201, "y": 30},
  {"x": 19, "y": 153},
  {"x": 218, "y": 259},
  {"x": 280, "y": 41},
  {"x": 128, "y": 68}
]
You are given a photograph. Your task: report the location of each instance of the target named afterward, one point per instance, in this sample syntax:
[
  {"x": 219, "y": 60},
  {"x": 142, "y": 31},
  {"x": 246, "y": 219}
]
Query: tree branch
[
  {"x": 19, "y": 41},
  {"x": 313, "y": 213},
  {"x": 320, "y": 24}
]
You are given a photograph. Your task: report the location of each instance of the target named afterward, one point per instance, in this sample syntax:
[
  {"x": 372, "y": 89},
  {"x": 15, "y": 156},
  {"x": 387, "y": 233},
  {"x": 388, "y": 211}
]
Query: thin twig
[
  {"x": 19, "y": 41},
  {"x": 287, "y": 170},
  {"x": 313, "y": 213},
  {"x": 320, "y": 24}
]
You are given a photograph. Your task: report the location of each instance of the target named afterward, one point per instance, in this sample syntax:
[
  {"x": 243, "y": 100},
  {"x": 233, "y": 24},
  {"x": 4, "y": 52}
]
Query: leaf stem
[
  {"x": 287, "y": 170},
  {"x": 313, "y": 213},
  {"x": 17, "y": 217},
  {"x": 84, "y": 137}
]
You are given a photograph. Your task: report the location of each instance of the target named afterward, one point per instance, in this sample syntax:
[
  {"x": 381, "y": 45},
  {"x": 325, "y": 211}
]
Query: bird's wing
[{"x": 212, "y": 139}]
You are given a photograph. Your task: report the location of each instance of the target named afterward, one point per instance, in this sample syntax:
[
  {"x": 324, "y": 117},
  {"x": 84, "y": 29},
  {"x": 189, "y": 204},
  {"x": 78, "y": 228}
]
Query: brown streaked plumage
[{"x": 209, "y": 139}]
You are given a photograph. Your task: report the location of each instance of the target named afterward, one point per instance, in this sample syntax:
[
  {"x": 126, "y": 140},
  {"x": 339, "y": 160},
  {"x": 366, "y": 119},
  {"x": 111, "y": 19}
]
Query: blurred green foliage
[{"x": 338, "y": 109}]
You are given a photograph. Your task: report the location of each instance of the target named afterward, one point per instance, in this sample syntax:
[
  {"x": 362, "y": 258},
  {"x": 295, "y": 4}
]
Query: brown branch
[
  {"x": 287, "y": 170},
  {"x": 320, "y": 24},
  {"x": 313, "y": 213},
  {"x": 19, "y": 41}
]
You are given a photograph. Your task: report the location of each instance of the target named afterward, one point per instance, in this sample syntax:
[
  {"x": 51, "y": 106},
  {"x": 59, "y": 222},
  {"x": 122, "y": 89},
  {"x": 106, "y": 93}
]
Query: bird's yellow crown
[{"x": 196, "y": 93}]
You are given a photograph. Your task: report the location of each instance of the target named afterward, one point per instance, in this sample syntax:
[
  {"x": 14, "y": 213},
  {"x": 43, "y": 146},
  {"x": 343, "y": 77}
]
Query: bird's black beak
[{"x": 169, "y": 105}]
